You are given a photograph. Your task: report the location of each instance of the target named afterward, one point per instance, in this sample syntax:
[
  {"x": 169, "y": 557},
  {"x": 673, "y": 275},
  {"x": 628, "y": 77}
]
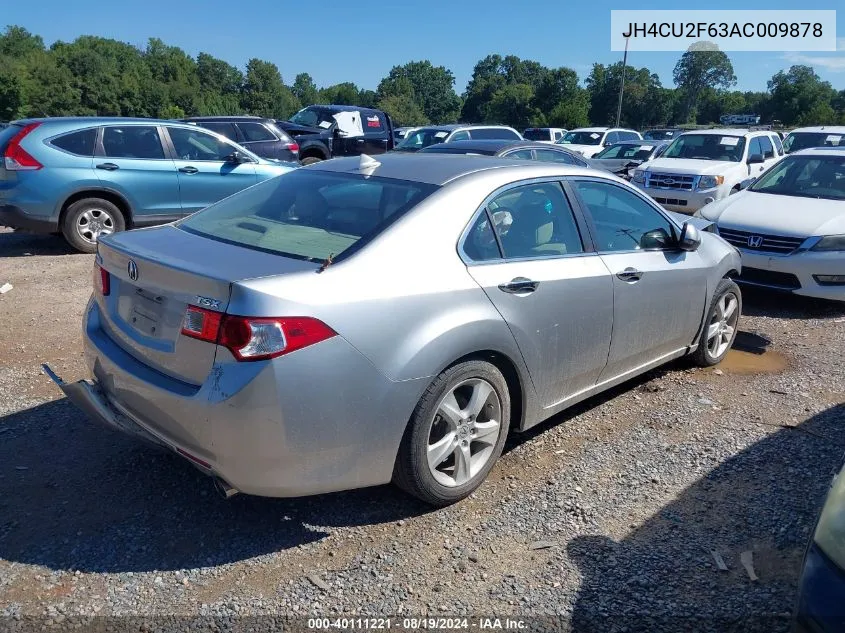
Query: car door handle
[
  {"x": 359, "y": 140},
  {"x": 519, "y": 285},
  {"x": 188, "y": 170},
  {"x": 630, "y": 274},
  {"x": 108, "y": 166}
]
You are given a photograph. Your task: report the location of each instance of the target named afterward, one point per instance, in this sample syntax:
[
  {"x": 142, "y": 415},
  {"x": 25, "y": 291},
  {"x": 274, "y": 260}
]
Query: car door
[
  {"x": 205, "y": 169},
  {"x": 131, "y": 159},
  {"x": 659, "y": 291},
  {"x": 525, "y": 249}
]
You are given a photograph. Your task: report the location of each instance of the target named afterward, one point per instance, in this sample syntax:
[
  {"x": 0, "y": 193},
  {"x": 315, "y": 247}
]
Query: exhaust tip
[{"x": 225, "y": 489}]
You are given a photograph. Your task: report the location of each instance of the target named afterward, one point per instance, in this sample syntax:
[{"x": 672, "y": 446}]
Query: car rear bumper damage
[
  {"x": 320, "y": 419},
  {"x": 17, "y": 218}
]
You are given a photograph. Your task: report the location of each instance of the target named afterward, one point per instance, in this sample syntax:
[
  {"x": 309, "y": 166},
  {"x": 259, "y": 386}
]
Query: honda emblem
[{"x": 755, "y": 241}]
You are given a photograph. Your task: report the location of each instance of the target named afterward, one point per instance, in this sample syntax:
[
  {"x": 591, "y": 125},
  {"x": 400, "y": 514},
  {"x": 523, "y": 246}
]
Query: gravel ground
[{"x": 607, "y": 515}]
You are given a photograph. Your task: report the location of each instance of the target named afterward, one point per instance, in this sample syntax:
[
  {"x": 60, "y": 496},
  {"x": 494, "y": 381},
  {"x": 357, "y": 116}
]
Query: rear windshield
[
  {"x": 308, "y": 214},
  {"x": 538, "y": 134}
]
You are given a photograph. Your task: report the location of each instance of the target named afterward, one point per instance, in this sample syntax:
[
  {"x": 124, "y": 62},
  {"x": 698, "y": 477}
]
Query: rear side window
[
  {"x": 461, "y": 135},
  {"x": 372, "y": 123},
  {"x": 222, "y": 128},
  {"x": 254, "y": 132},
  {"x": 551, "y": 156},
  {"x": 132, "y": 141},
  {"x": 778, "y": 144},
  {"x": 494, "y": 133},
  {"x": 308, "y": 215},
  {"x": 79, "y": 143}
]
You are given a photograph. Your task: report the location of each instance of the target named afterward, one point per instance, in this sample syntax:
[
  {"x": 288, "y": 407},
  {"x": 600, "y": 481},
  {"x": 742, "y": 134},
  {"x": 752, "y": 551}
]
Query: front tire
[
  {"x": 455, "y": 435},
  {"x": 310, "y": 160},
  {"x": 721, "y": 325},
  {"x": 88, "y": 220}
]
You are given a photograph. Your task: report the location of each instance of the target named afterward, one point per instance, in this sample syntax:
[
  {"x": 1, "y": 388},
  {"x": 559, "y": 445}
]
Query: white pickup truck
[{"x": 706, "y": 165}]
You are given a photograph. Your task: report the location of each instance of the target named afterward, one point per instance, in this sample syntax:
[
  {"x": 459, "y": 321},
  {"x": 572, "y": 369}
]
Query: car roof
[
  {"x": 820, "y": 151},
  {"x": 729, "y": 132},
  {"x": 340, "y": 108},
  {"x": 834, "y": 129},
  {"x": 440, "y": 169},
  {"x": 93, "y": 120},
  {"x": 647, "y": 141},
  {"x": 228, "y": 117},
  {"x": 464, "y": 126},
  {"x": 493, "y": 145}
]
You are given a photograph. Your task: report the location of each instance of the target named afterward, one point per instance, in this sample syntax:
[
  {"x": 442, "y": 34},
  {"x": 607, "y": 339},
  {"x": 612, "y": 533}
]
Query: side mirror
[
  {"x": 656, "y": 239},
  {"x": 236, "y": 158},
  {"x": 755, "y": 159},
  {"x": 690, "y": 238}
]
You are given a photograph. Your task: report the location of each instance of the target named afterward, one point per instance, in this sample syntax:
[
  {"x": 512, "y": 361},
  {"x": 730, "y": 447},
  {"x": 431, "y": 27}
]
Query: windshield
[
  {"x": 581, "y": 138},
  {"x": 805, "y": 140},
  {"x": 634, "y": 151},
  {"x": 537, "y": 134},
  {"x": 805, "y": 177},
  {"x": 308, "y": 215},
  {"x": 660, "y": 135},
  {"x": 313, "y": 117},
  {"x": 707, "y": 147},
  {"x": 422, "y": 138}
]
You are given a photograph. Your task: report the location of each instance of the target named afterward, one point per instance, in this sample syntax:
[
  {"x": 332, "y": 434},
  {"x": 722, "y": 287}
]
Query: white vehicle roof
[
  {"x": 832, "y": 129},
  {"x": 591, "y": 129},
  {"x": 821, "y": 151},
  {"x": 731, "y": 132}
]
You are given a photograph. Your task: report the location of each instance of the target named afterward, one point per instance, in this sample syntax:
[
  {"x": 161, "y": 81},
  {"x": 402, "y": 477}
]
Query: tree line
[{"x": 105, "y": 77}]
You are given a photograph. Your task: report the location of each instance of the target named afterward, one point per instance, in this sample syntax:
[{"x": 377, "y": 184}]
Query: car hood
[
  {"x": 689, "y": 166},
  {"x": 777, "y": 215}
]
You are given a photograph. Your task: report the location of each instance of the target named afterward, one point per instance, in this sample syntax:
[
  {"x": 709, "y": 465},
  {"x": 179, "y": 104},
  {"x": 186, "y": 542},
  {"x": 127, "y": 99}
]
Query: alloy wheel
[{"x": 720, "y": 330}]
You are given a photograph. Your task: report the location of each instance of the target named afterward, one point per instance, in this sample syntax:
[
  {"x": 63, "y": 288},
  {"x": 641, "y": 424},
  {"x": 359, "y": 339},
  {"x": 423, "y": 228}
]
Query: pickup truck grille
[
  {"x": 679, "y": 182},
  {"x": 761, "y": 243}
]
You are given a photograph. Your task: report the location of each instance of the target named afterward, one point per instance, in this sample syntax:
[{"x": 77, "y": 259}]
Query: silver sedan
[{"x": 363, "y": 321}]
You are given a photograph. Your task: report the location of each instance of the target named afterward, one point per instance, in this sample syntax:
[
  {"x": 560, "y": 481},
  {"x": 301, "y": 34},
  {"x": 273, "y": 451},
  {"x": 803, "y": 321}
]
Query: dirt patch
[{"x": 739, "y": 362}]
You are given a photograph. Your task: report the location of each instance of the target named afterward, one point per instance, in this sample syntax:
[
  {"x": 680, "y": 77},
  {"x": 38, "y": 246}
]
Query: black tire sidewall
[
  {"x": 310, "y": 160},
  {"x": 74, "y": 210},
  {"x": 412, "y": 472},
  {"x": 725, "y": 286}
]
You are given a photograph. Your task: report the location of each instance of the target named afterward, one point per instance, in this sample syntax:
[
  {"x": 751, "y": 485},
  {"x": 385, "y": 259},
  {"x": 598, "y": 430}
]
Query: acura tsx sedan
[{"x": 362, "y": 321}]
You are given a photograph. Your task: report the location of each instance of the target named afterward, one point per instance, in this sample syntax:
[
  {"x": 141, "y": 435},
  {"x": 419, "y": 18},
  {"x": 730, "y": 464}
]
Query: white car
[
  {"x": 819, "y": 136},
  {"x": 706, "y": 165},
  {"x": 421, "y": 137},
  {"x": 589, "y": 141},
  {"x": 789, "y": 226},
  {"x": 543, "y": 134}
]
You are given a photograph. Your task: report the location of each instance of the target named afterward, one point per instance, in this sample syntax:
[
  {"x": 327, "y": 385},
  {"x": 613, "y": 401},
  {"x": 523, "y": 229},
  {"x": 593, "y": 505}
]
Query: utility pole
[{"x": 622, "y": 86}]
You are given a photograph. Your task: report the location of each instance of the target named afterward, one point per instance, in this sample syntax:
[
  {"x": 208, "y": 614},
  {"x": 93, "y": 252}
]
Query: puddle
[{"x": 742, "y": 362}]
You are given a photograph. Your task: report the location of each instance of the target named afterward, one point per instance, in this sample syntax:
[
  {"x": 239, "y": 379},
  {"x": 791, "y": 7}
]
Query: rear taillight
[
  {"x": 102, "y": 280},
  {"x": 254, "y": 338},
  {"x": 294, "y": 147},
  {"x": 16, "y": 158}
]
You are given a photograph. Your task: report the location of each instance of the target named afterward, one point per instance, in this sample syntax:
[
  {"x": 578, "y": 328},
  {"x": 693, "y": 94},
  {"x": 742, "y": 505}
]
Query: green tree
[
  {"x": 264, "y": 93},
  {"x": 217, "y": 76},
  {"x": 644, "y": 100},
  {"x": 345, "y": 93},
  {"x": 697, "y": 70},
  {"x": 800, "y": 97},
  {"x": 367, "y": 98},
  {"x": 172, "y": 112},
  {"x": 432, "y": 89},
  {"x": 513, "y": 105},
  {"x": 18, "y": 43},
  {"x": 11, "y": 95},
  {"x": 305, "y": 90},
  {"x": 403, "y": 110}
]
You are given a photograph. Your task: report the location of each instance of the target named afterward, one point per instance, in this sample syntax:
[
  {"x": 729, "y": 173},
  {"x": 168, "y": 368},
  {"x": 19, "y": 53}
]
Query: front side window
[
  {"x": 191, "y": 144},
  {"x": 308, "y": 215},
  {"x": 422, "y": 137},
  {"x": 707, "y": 147},
  {"x": 805, "y": 177},
  {"x": 535, "y": 220},
  {"x": 314, "y": 117},
  {"x": 79, "y": 143},
  {"x": 132, "y": 141},
  {"x": 623, "y": 220},
  {"x": 254, "y": 132}
]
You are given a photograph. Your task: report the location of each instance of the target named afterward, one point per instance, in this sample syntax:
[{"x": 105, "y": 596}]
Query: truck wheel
[
  {"x": 310, "y": 160},
  {"x": 88, "y": 220}
]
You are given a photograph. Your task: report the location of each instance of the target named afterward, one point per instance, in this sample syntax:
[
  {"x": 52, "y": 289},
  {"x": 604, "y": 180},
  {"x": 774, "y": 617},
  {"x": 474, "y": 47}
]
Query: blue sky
[{"x": 360, "y": 41}]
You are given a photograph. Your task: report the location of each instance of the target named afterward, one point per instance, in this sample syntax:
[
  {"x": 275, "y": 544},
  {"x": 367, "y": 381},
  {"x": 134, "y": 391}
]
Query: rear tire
[
  {"x": 455, "y": 435},
  {"x": 720, "y": 326},
  {"x": 89, "y": 219},
  {"x": 310, "y": 160}
]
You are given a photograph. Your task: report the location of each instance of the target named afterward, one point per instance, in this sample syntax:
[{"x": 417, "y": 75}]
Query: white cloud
[{"x": 832, "y": 63}]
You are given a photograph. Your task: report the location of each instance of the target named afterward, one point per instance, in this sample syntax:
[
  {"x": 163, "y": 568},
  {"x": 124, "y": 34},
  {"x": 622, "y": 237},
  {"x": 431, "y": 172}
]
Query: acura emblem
[
  {"x": 755, "y": 241},
  {"x": 132, "y": 268}
]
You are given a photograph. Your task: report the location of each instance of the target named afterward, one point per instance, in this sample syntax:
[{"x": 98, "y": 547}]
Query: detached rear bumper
[{"x": 17, "y": 218}]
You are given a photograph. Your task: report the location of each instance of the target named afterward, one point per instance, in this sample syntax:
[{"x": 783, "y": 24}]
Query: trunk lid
[{"x": 155, "y": 274}]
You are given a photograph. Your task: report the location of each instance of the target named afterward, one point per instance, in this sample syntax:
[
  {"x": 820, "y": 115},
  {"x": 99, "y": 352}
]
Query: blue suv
[{"x": 88, "y": 177}]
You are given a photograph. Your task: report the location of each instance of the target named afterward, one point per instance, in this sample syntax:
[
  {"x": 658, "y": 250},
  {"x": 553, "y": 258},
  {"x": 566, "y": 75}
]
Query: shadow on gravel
[
  {"x": 74, "y": 496},
  {"x": 19, "y": 244},
  {"x": 782, "y": 305},
  {"x": 663, "y": 577}
]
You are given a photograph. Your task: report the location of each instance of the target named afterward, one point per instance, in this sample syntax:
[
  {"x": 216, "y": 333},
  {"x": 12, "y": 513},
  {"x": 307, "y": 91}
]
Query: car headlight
[
  {"x": 708, "y": 182},
  {"x": 638, "y": 175},
  {"x": 830, "y": 531},
  {"x": 830, "y": 243}
]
